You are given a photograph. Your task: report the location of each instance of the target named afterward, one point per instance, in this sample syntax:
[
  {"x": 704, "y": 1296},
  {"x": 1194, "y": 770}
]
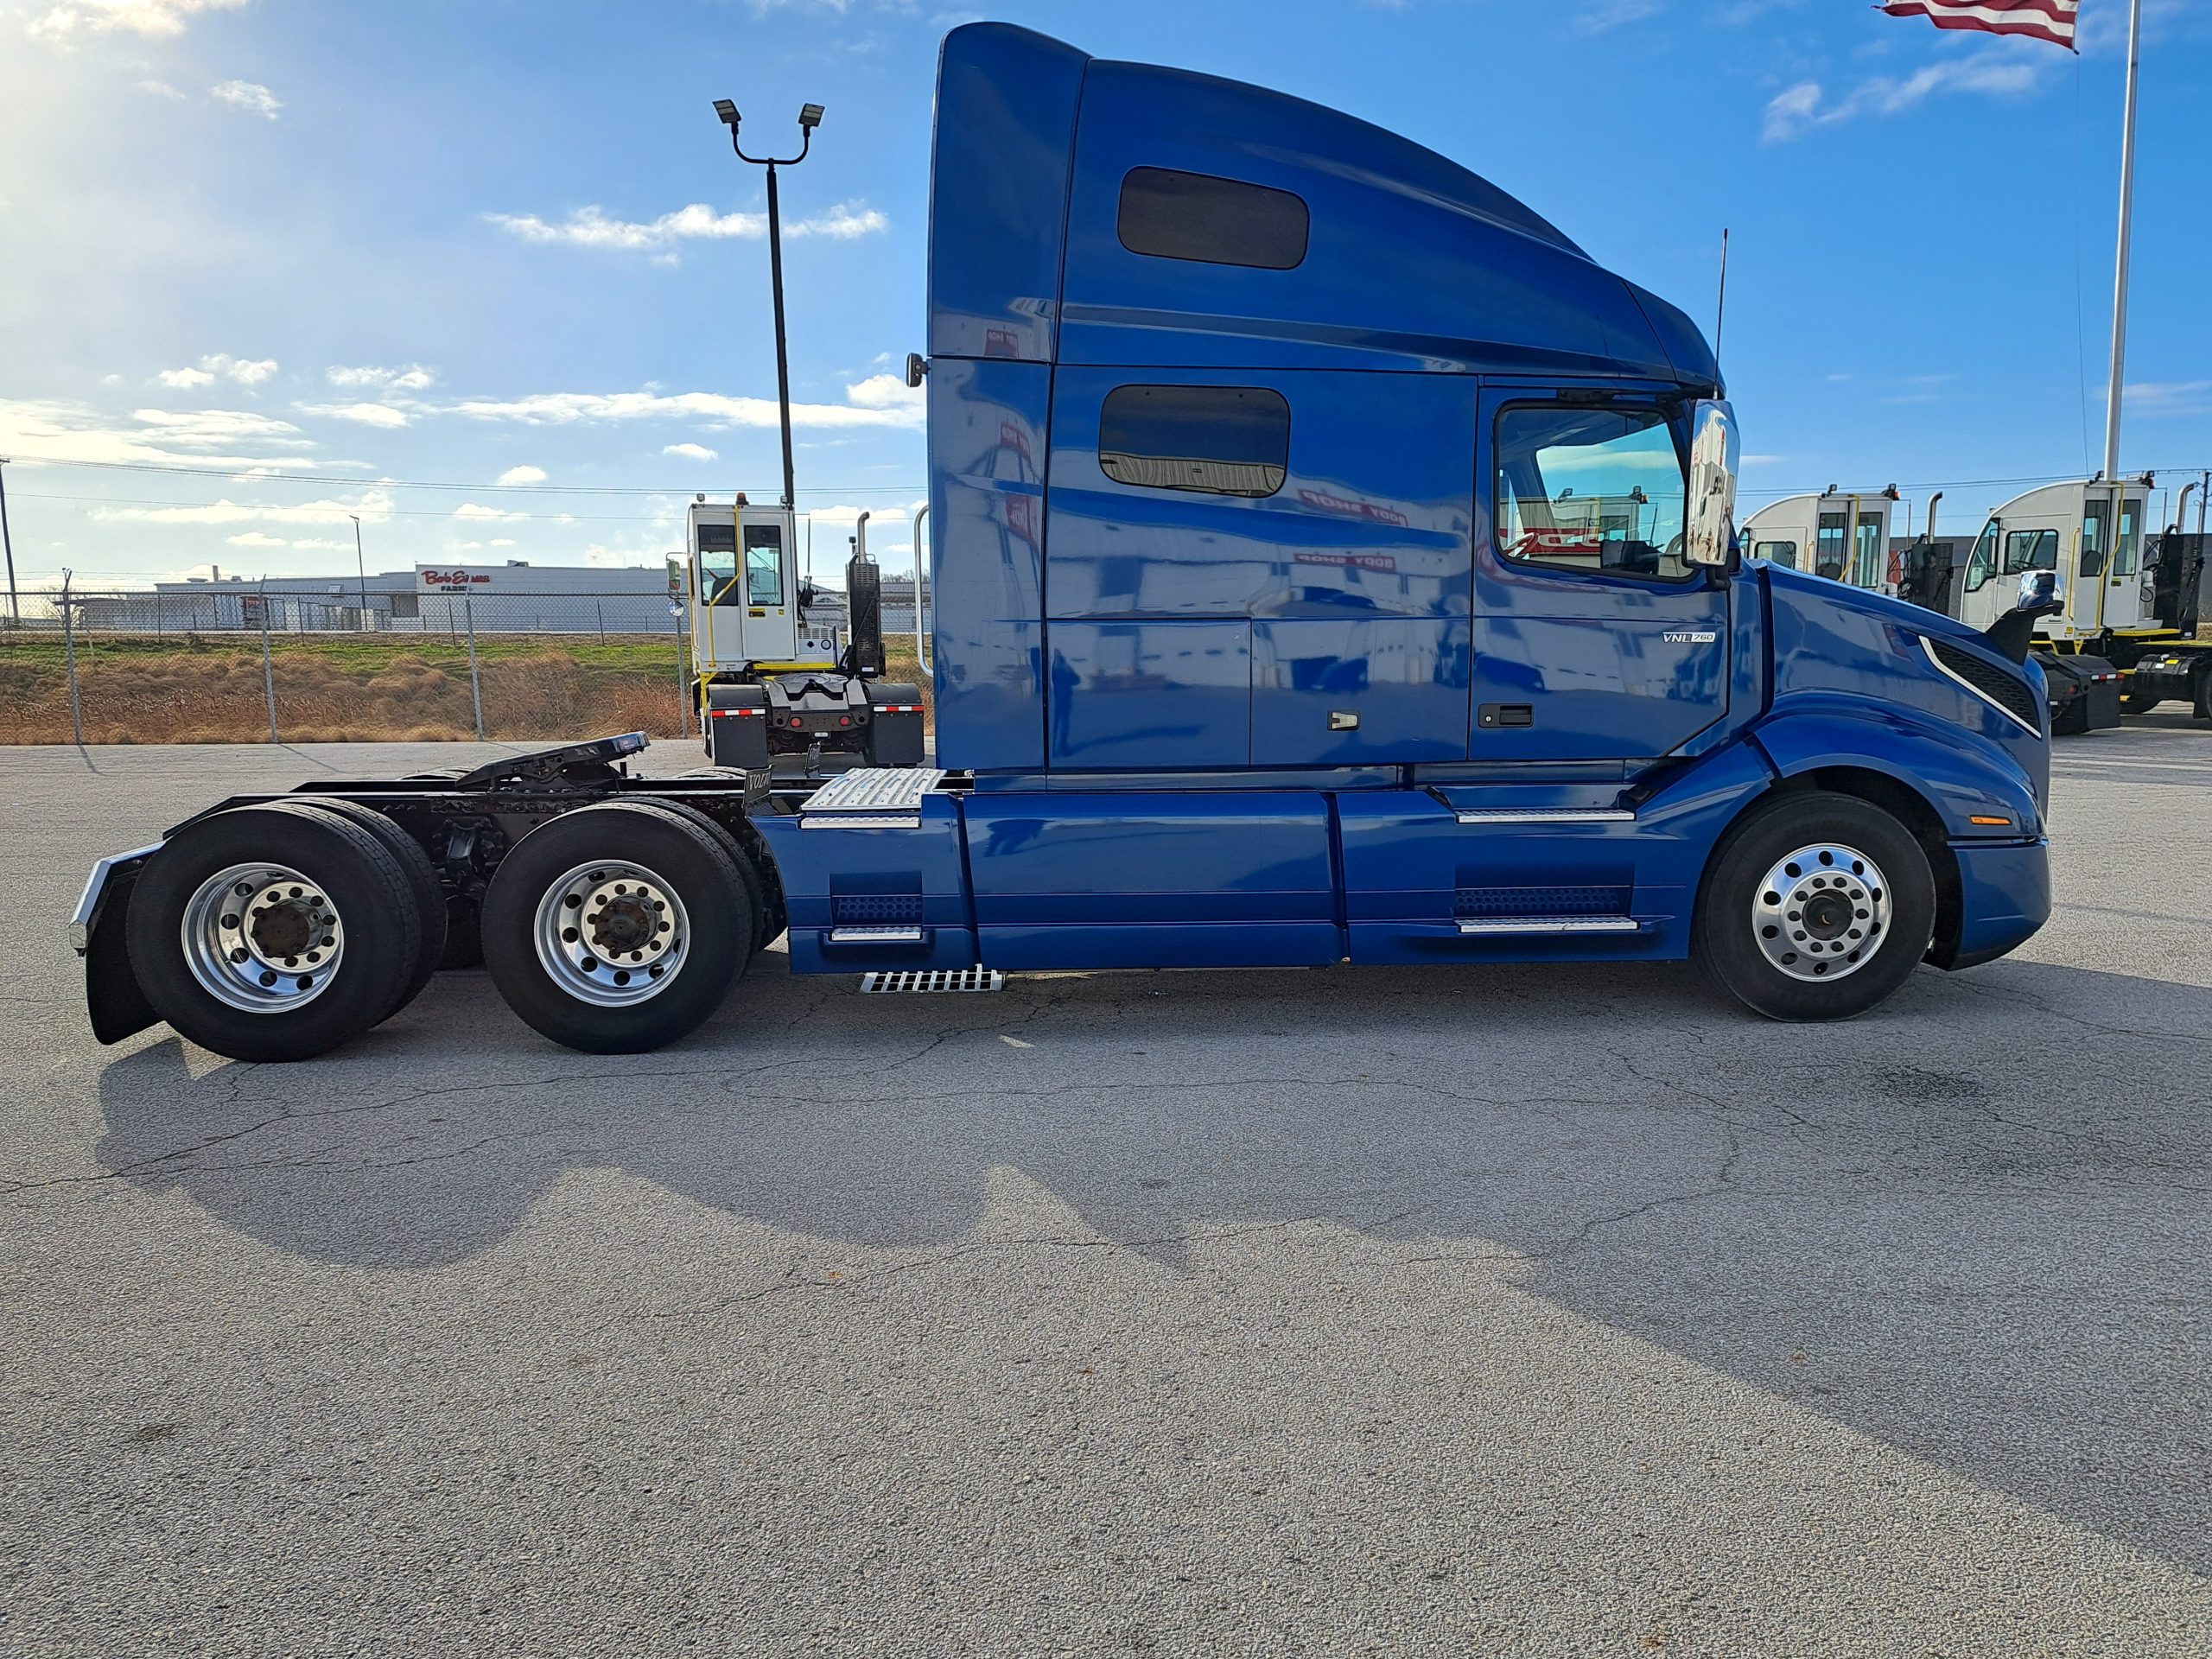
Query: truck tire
[
  {"x": 1817, "y": 907},
  {"x": 616, "y": 927},
  {"x": 422, "y": 880},
  {"x": 273, "y": 932}
]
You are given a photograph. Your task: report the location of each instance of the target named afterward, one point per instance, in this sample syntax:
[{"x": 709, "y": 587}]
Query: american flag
[{"x": 2045, "y": 20}]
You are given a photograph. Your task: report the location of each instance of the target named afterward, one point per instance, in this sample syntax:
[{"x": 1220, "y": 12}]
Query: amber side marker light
[{"x": 1979, "y": 818}]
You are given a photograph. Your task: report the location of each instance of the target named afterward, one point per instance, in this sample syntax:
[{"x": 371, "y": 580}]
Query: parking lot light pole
[
  {"x": 360, "y": 567},
  {"x": 15, "y": 605},
  {"x": 810, "y": 117}
]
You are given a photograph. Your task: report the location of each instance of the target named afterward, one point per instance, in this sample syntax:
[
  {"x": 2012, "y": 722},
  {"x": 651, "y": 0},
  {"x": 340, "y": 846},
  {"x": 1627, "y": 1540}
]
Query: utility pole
[
  {"x": 15, "y": 605},
  {"x": 810, "y": 117}
]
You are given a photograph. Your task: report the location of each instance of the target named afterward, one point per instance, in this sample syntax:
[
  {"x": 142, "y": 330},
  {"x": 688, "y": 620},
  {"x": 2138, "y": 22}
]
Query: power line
[{"x": 255, "y": 475}]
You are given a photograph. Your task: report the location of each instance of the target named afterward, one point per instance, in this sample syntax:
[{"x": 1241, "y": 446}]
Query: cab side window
[
  {"x": 1212, "y": 440},
  {"x": 1591, "y": 490},
  {"x": 1782, "y": 553},
  {"x": 764, "y": 564},
  {"x": 718, "y": 564},
  {"x": 1982, "y": 564}
]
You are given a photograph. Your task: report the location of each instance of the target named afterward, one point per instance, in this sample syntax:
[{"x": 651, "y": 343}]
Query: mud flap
[{"x": 118, "y": 1007}]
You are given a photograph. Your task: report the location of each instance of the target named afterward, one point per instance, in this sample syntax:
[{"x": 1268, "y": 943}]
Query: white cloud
[
  {"x": 413, "y": 378},
  {"x": 473, "y": 513},
  {"x": 503, "y": 541},
  {"x": 247, "y": 95},
  {"x": 247, "y": 371},
  {"x": 371, "y": 505},
  {"x": 159, "y": 89},
  {"x": 1804, "y": 107},
  {"x": 206, "y": 428},
  {"x": 2154, "y": 399},
  {"x": 1612, "y": 14},
  {"x": 387, "y": 416},
  {"x": 871, "y": 404},
  {"x": 690, "y": 452},
  {"x": 887, "y": 391},
  {"x": 153, "y": 19},
  {"x": 523, "y": 475},
  {"x": 257, "y": 539},
  {"x": 591, "y": 227},
  {"x": 34, "y": 430}
]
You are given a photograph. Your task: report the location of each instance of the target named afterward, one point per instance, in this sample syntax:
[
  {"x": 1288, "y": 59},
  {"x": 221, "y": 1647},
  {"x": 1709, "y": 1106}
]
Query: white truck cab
[
  {"x": 2090, "y": 532},
  {"x": 1843, "y": 535},
  {"x": 745, "y": 590}
]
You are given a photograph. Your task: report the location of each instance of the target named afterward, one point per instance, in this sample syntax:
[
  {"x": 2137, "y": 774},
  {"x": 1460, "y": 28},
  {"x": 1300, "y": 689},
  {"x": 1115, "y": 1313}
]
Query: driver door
[{"x": 1595, "y": 640}]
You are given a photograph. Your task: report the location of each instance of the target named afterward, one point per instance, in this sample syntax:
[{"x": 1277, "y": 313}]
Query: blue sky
[{"x": 346, "y": 250}]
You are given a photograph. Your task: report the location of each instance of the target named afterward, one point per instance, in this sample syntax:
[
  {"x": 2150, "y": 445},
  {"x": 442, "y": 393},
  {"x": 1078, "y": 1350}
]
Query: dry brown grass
[{"x": 210, "y": 691}]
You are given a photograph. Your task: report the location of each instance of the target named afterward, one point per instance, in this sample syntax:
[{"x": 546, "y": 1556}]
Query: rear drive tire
[
  {"x": 1817, "y": 907},
  {"x": 617, "y": 927},
  {"x": 274, "y": 932},
  {"x": 422, "y": 878}
]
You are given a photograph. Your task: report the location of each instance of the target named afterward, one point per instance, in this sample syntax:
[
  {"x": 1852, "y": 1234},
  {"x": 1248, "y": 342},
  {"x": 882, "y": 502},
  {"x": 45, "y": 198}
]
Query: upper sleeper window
[
  {"x": 1216, "y": 440},
  {"x": 1216, "y": 221}
]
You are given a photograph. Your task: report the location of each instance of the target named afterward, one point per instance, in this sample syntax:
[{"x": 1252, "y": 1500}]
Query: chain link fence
[
  {"x": 91, "y": 666},
  {"x": 241, "y": 664}
]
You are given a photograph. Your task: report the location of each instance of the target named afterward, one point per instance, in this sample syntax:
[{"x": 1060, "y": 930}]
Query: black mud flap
[
  {"x": 2084, "y": 693},
  {"x": 896, "y": 734},
  {"x": 112, "y": 997}
]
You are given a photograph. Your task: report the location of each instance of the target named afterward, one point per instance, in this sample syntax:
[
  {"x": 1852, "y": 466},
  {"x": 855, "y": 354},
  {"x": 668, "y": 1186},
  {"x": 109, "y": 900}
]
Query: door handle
[{"x": 1491, "y": 715}]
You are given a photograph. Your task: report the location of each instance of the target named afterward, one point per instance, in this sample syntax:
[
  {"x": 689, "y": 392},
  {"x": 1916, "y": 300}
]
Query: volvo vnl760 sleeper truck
[{"x": 1332, "y": 563}]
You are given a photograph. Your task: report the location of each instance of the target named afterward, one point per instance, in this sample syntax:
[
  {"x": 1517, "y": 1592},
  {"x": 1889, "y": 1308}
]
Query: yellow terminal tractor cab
[{"x": 779, "y": 687}]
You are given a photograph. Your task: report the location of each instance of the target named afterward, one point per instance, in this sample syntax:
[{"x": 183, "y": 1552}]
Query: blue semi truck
[{"x": 1332, "y": 564}]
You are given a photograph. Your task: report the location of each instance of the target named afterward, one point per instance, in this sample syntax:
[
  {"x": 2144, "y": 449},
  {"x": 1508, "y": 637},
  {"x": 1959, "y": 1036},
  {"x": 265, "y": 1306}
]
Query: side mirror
[
  {"x": 2013, "y": 634},
  {"x": 1714, "y": 453}
]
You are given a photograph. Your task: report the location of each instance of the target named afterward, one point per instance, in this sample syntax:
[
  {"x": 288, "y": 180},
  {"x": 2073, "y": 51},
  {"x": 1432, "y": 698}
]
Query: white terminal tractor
[{"x": 778, "y": 686}]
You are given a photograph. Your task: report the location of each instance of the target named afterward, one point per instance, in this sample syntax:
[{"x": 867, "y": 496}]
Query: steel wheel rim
[
  {"x": 1823, "y": 913},
  {"x": 612, "y": 933},
  {"x": 264, "y": 938}
]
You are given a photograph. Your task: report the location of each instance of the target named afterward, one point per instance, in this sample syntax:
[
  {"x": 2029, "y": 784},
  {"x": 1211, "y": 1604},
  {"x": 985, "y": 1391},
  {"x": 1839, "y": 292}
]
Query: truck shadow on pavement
[{"x": 1973, "y": 1226}]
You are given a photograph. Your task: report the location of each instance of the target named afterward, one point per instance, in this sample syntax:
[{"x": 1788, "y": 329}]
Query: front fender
[{"x": 1960, "y": 773}]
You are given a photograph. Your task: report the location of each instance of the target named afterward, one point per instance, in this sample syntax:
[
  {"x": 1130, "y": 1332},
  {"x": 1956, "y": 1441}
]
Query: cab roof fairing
[{"x": 1415, "y": 263}]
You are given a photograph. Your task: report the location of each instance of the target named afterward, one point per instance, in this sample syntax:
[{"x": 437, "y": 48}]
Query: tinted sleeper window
[
  {"x": 1216, "y": 440},
  {"x": 1217, "y": 221}
]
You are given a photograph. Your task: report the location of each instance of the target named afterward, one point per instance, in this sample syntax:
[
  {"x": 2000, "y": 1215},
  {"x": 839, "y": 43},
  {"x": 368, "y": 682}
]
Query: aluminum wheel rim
[
  {"x": 263, "y": 937},
  {"x": 612, "y": 933},
  {"x": 1822, "y": 913}
]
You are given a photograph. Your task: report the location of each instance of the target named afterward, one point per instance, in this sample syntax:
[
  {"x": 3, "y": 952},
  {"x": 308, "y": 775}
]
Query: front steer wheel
[
  {"x": 1817, "y": 907},
  {"x": 616, "y": 927},
  {"x": 274, "y": 932}
]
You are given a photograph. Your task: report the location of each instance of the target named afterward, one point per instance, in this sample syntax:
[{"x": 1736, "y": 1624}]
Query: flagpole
[{"x": 2120, "y": 280}]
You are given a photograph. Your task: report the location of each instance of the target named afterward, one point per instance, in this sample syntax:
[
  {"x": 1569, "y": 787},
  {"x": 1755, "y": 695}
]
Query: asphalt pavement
[{"x": 1456, "y": 1311}]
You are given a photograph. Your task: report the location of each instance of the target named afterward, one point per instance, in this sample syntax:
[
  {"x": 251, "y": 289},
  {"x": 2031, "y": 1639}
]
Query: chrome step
[
  {"x": 874, "y": 935},
  {"x": 1503, "y": 925},
  {"x": 871, "y": 797},
  {"x": 934, "y": 979},
  {"x": 1548, "y": 815}
]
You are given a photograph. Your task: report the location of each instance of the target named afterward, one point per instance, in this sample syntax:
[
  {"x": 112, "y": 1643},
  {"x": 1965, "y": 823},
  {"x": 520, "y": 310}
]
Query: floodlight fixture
[
  {"x": 810, "y": 117},
  {"x": 728, "y": 111}
]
